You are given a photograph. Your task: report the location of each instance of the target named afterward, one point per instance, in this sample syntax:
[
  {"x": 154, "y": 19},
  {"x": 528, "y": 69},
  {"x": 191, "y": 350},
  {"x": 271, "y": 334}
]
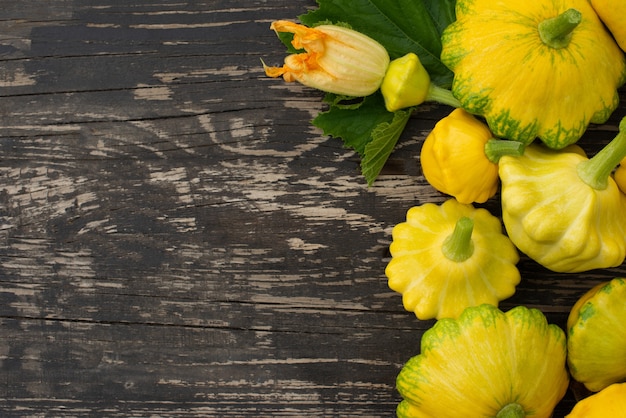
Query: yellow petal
[{"x": 337, "y": 60}]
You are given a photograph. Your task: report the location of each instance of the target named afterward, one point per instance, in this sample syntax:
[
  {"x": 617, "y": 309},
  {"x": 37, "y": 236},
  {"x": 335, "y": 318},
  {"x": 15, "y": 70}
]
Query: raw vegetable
[
  {"x": 534, "y": 68},
  {"x": 564, "y": 210},
  {"x": 337, "y": 59},
  {"x": 460, "y": 157},
  {"x": 608, "y": 403},
  {"x": 407, "y": 84},
  {"x": 486, "y": 363},
  {"x": 613, "y": 14},
  {"x": 448, "y": 257},
  {"x": 401, "y": 27},
  {"x": 620, "y": 176},
  {"x": 597, "y": 336}
]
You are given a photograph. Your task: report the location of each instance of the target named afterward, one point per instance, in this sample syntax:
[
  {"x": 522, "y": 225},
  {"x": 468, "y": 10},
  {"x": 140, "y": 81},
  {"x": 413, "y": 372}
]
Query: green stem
[
  {"x": 496, "y": 148},
  {"x": 441, "y": 95},
  {"x": 595, "y": 172},
  {"x": 458, "y": 246},
  {"x": 556, "y": 32},
  {"x": 512, "y": 410}
]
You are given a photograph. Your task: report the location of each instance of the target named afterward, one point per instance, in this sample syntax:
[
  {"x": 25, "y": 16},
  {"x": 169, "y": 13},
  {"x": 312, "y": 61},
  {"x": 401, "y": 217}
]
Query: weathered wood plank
[{"x": 178, "y": 240}]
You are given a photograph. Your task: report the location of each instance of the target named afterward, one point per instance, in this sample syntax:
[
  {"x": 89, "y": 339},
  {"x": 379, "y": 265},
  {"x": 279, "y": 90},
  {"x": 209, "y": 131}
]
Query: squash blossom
[
  {"x": 407, "y": 83},
  {"x": 337, "y": 59},
  {"x": 534, "y": 69},
  {"x": 460, "y": 157},
  {"x": 486, "y": 363},
  {"x": 448, "y": 257},
  {"x": 564, "y": 210}
]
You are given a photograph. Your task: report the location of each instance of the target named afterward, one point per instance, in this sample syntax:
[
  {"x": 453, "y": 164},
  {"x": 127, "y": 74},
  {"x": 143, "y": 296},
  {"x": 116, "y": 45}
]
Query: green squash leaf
[
  {"x": 286, "y": 38},
  {"x": 354, "y": 123},
  {"x": 384, "y": 139},
  {"x": 442, "y": 12},
  {"x": 400, "y": 26},
  {"x": 372, "y": 131}
]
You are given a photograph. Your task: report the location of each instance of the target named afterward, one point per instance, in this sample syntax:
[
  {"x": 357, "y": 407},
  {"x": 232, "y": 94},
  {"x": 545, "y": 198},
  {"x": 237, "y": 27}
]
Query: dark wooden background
[{"x": 178, "y": 240}]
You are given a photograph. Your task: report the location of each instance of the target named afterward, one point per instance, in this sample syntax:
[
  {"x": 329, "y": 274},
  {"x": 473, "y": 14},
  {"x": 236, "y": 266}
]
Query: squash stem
[
  {"x": 556, "y": 32},
  {"x": 595, "y": 172},
  {"x": 441, "y": 95},
  {"x": 458, "y": 246},
  {"x": 496, "y": 148},
  {"x": 512, "y": 410}
]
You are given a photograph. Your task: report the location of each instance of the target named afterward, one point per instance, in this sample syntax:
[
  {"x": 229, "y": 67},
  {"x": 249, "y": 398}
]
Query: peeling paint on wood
[{"x": 178, "y": 240}]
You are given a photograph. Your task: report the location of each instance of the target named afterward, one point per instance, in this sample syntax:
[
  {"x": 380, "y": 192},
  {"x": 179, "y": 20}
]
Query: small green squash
[
  {"x": 534, "y": 68},
  {"x": 596, "y": 345},
  {"x": 486, "y": 363}
]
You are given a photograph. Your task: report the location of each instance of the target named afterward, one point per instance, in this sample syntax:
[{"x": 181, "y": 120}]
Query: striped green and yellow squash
[
  {"x": 534, "y": 69},
  {"x": 486, "y": 363}
]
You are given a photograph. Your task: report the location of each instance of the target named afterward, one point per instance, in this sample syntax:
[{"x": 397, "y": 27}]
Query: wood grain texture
[{"x": 178, "y": 240}]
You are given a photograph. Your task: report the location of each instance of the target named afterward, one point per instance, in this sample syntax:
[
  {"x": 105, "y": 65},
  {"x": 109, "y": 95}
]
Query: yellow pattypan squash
[
  {"x": 459, "y": 157},
  {"x": 613, "y": 14},
  {"x": 564, "y": 210},
  {"x": 620, "y": 176},
  {"x": 486, "y": 363},
  {"x": 448, "y": 257},
  {"x": 608, "y": 403},
  {"x": 597, "y": 336},
  {"x": 541, "y": 69}
]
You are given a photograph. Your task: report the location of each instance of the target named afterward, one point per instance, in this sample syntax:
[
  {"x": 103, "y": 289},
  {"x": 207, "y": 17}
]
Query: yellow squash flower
[{"x": 337, "y": 59}]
